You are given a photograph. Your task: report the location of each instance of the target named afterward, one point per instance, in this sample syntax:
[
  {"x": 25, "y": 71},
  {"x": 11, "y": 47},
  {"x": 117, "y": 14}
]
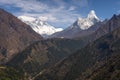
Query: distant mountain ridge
[
  {"x": 40, "y": 25},
  {"x": 81, "y": 24}
]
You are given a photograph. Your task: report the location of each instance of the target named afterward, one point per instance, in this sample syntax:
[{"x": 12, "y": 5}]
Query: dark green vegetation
[
  {"x": 109, "y": 69},
  {"x": 73, "y": 66},
  {"x": 43, "y": 54},
  {"x": 9, "y": 73}
]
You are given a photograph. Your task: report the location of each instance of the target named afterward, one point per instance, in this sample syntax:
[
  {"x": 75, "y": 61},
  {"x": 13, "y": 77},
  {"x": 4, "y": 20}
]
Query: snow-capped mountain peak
[
  {"x": 40, "y": 25},
  {"x": 26, "y": 18},
  {"x": 81, "y": 27},
  {"x": 85, "y": 23},
  {"x": 92, "y": 15},
  {"x": 42, "y": 18},
  {"x": 40, "y": 22}
]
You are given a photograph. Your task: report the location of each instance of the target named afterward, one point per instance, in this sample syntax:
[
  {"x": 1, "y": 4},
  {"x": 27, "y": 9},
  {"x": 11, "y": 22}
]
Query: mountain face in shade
[
  {"x": 40, "y": 25},
  {"x": 43, "y": 54},
  {"x": 79, "y": 26},
  {"x": 109, "y": 69},
  {"x": 14, "y": 36},
  {"x": 72, "y": 67}
]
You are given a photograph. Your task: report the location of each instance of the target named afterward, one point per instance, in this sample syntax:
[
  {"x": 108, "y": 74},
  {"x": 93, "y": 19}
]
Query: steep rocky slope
[{"x": 14, "y": 36}]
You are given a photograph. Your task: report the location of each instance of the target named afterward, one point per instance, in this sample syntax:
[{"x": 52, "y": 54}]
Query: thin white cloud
[
  {"x": 72, "y": 8},
  {"x": 25, "y": 5},
  {"x": 61, "y": 14}
]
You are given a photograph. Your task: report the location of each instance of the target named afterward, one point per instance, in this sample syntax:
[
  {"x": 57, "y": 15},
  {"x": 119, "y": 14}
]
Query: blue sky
[{"x": 61, "y": 13}]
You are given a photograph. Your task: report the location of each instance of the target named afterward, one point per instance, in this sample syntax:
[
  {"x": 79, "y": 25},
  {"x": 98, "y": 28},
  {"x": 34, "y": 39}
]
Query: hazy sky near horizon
[{"x": 61, "y": 13}]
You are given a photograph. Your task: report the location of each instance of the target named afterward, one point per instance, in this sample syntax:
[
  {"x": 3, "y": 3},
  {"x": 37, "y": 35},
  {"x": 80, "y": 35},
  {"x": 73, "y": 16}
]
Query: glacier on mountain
[{"x": 40, "y": 25}]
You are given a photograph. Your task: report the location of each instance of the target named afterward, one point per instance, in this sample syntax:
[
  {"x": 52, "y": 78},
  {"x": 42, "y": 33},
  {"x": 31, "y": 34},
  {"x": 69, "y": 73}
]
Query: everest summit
[{"x": 40, "y": 25}]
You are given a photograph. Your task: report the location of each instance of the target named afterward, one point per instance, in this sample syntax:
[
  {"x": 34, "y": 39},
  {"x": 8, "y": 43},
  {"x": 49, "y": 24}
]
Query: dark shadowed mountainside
[
  {"x": 9, "y": 73},
  {"x": 44, "y": 53},
  {"x": 14, "y": 36},
  {"x": 109, "y": 69}
]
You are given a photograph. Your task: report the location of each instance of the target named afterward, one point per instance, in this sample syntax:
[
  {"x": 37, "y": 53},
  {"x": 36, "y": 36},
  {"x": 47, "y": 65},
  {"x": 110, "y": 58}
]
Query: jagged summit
[
  {"x": 92, "y": 15},
  {"x": 85, "y": 23},
  {"x": 80, "y": 25},
  {"x": 40, "y": 25},
  {"x": 42, "y": 18},
  {"x": 26, "y": 18}
]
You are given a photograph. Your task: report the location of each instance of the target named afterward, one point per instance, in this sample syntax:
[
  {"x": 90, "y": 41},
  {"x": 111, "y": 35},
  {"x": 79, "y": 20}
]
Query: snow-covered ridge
[
  {"x": 26, "y": 18},
  {"x": 40, "y": 25},
  {"x": 79, "y": 27},
  {"x": 85, "y": 23},
  {"x": 92, "y": 15}
]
